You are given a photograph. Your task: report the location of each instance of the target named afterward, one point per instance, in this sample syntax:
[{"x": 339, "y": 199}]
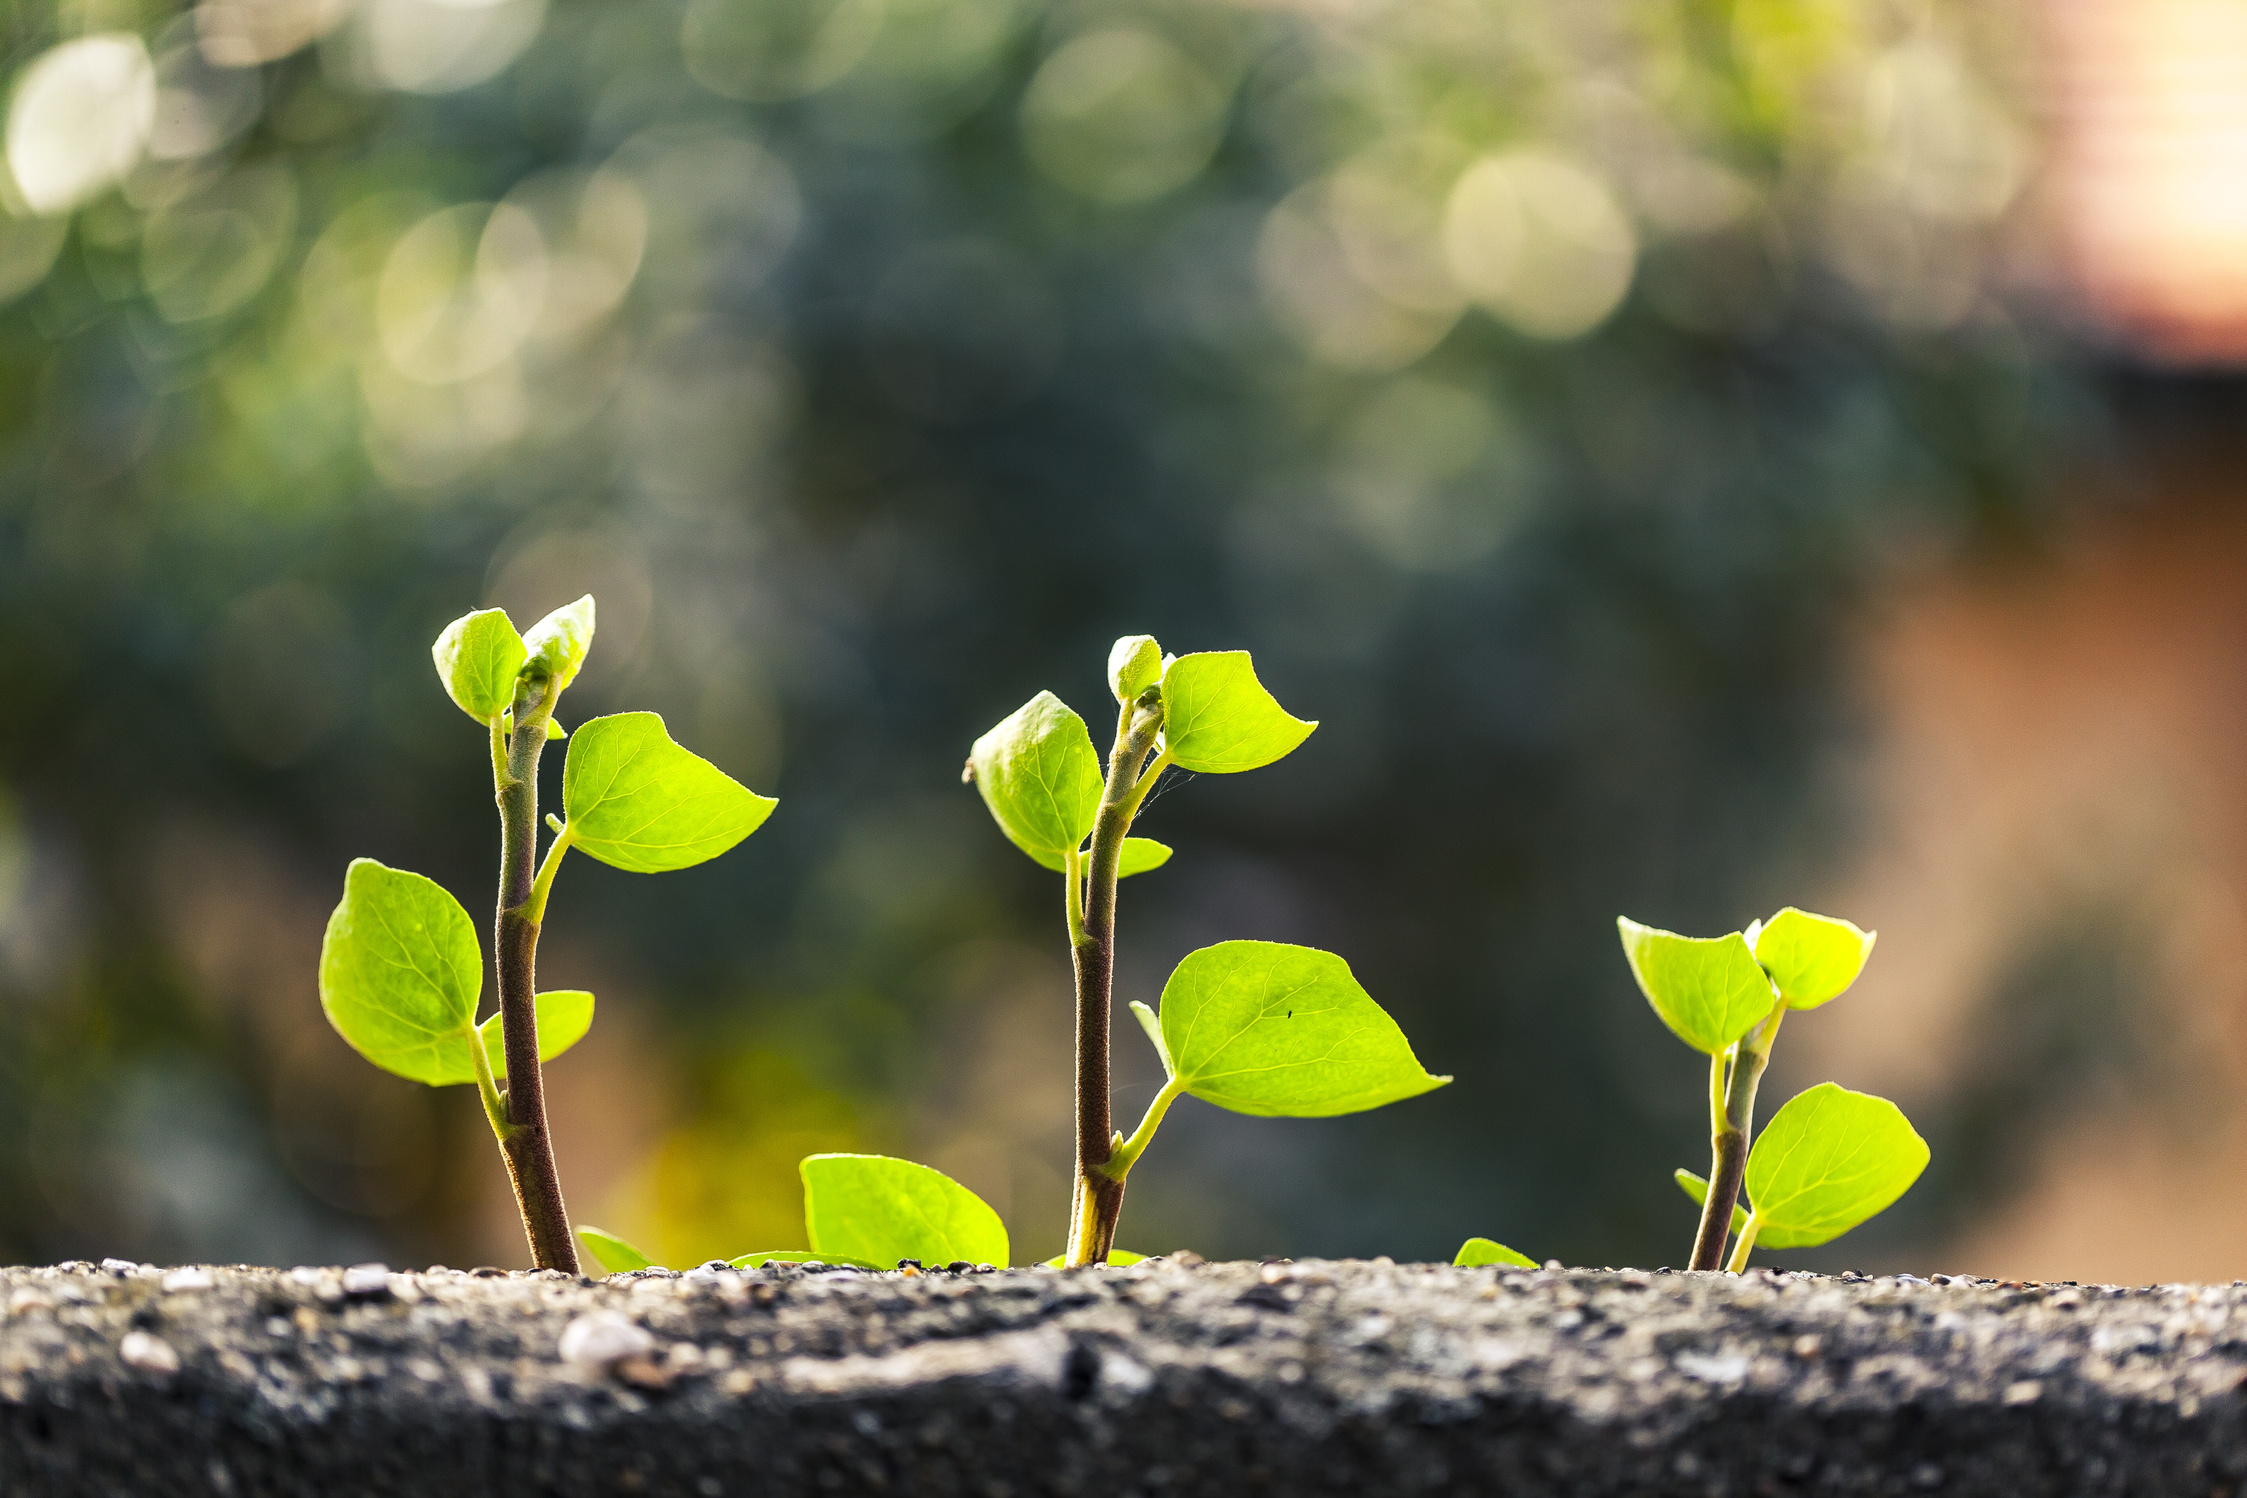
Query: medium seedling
[
  {"x": 1830, "y": 1158},
  {"x": 401, "y": 974},
  {"x": 1257, "y": 1027}
]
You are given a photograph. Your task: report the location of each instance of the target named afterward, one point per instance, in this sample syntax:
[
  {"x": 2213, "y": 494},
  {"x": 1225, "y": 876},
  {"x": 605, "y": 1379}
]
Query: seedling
[
  {"x": 1257, "y": 1027},
  {"x": 1830, "y": 1158},
  {"x": 401, "y": 975}
]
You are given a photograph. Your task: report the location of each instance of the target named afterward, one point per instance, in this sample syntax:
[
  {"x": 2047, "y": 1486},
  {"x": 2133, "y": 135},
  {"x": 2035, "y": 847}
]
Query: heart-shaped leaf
[
  {"x": 1040, "y": 776},
  {"x": 1811, "y": 958},
  {"x": 563, "y": 1016},
  {"x": 400, "y": 972},
  {"x": 611, "y": 1252},
  {"x": 1828, "y": 1160},
  {"x": 478, "y": 657},
  {"x": 1218, "y": 719},
  {"x": 1282, "y": 1031},
  {"x": 1141, "y": 854},
  {"x": 1479, "y": 1251},
  {"x": 1708, "y": 990},
  {"x": 640, "y": 802},
  {"x": 880, "y": 1210}
]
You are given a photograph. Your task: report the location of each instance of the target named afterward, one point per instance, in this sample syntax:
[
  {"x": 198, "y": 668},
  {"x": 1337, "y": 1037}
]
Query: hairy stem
[
  {"x": 1729, "y": 1132},
  {"x": 1098, "y": 1199},
  {"x": 528, "y": 1148}
]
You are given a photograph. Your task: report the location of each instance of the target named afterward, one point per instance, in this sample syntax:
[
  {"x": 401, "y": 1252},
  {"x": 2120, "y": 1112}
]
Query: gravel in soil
[{"x": 1175, "y": 1377}]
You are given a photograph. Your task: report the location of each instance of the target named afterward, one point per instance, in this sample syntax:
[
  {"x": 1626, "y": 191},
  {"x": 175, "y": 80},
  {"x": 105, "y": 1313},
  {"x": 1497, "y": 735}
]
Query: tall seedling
[
  {"x": 401, "y": 975},
  {"x": 1830, "y": 1158},
  {"x": 1257, "y": 1027}
]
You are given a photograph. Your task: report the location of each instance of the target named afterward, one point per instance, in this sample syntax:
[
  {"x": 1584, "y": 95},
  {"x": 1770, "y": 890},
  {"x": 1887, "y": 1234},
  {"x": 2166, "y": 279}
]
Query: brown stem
[
  {"x": 1728, "y": 1142},
  {"x": 528, "y": 1147},
  {"x": 1092, "y": 1234}
]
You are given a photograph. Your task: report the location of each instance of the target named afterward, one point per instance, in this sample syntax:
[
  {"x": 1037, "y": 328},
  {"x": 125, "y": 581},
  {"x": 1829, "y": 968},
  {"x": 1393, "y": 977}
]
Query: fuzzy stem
[
  {"x": 1728, "y": 1140},
  {"x": 1098, "y": 1199},
  {"x": 527, "y": 1146}
]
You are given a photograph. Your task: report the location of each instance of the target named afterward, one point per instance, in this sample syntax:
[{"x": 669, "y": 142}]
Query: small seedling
[
  {"x": 1830, "y": 1158},
  {"x": 1257, "y": 1027},
  {"x": 401, "y": 975}
]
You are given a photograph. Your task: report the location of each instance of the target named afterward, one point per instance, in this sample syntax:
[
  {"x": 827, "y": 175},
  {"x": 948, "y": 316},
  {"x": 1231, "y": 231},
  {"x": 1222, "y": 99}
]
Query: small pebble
[
  {"x": 602, "y": 1339},
  {"x": 366, "y": 1279},
  {"x": 193, "y": 1277},
  {"x": 119, "y": 1266},
  {"x": 148, "y": 1354}
]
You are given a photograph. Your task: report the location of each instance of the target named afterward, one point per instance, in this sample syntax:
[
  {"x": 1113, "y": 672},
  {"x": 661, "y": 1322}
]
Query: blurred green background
[{"x": 1547, "y": 394}]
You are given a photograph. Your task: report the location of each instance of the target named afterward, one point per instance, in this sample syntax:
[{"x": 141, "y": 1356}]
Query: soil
[{"x": 1171, "y": 1378}]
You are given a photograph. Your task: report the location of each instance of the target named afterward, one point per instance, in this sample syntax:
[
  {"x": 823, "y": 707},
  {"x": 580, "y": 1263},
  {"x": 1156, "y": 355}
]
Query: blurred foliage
[{"x": 1531, "y": 387}]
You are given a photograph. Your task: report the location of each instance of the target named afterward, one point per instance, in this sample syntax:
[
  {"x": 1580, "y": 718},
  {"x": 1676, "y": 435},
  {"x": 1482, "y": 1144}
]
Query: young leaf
[
  {"x": 1708, "y": 990},
  {"x": 762, "y": 1257},
  {"x": 1828, "y": 1160},
  {"x": 1040, "y": 776},
  {"x": 1280, "y": 1031},
  {"x": 563, "y": 1018},
  {"x": 1218, "y": 719},
  {"x": 477, "y": 658},
  {"x": 1812, "y": 958},
  {"x": 1478, "y": 1251},
  {"x": 1697, "y": 1188},
  {"x": 613, "y": 1253},
  {"x": 879, "y": 1209},
  {"x": 1154, "y": 1028},
  {"x": 557, "y": 643},
  {"x": 400, "y": 971},
  {"x": 637, "y": 800},
  {"x": 1141, "y": 854},
  {"x": 1135, "y": 663}
]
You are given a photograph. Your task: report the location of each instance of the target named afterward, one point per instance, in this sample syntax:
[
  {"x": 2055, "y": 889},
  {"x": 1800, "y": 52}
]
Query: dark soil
[{"x": 1173, "y": 1378}]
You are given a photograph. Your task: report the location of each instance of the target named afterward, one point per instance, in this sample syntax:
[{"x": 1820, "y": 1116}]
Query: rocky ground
[{"x": 1172, "y": 1378}]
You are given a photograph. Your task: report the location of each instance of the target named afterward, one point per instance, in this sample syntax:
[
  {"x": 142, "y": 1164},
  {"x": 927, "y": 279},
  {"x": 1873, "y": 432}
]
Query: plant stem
[
  {"x": 1728, "y": 1138},
  {"x": 1747, "y": 1241},
  {"x": 528, "y": 1148},
  {"x": 1098, "y": 1199}
]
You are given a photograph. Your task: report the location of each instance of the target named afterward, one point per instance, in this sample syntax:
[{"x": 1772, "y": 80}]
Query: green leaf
[
  {"x": 477, "y": 658},
  {"x": 1478, "y": 1251},
  {"x": 400, "y": 971},
  {"x": 1119, "y": 1258},
  {"x": 1154, "y": 1028},
  {"x": 1135, "y": 663},
  {"x": 1693, "y": 1186},
  {"x": 611, "y": 1252},
  {"x": 1708, "y": 990},
  {"x": 557, "y": 643},
  {"x": 637, "y": 800},
  {"x": 1141, "y": 854},
  {"x": 1040, "y": 776},
  {"x": 1812, "y": 958},
  {"x": 1828, "y": 1160},
  {"x": 1218, "y": 719},
  {"x": 563, "y": 1018},
  {"x": 880, "y": 1209},
  {"x": 1281, "y": 1031},
  {"x": 763, "y": 1257}
]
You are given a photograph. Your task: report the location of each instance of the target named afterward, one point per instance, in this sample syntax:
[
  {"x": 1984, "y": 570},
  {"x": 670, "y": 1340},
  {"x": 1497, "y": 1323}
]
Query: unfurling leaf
[
  {"x": 638, "y": 801},
  {"x": 1828, "y": 1160},
  {"x": 880, "y": 1210},
  {"x": 1153, "y": 1025},
  {"x": 557, "y": 644},
  {"x": 1039, "y": 774},
  {"x": 1141, "y": 854},
  {"x": 478, "y": 657},
  {"x": 1695, "y": 1187},
  {"x": 611, "y": 1252},
  {"x": 1135, "y": 663},
  {"x": 1479, "y": 1251},
  {"x": 1218, "y": 719},
  {"x": 1708, "y": 990},
  {"x": 1282, "y": 1031},
  {"x": 400, "y": 972},
  {"x": 1812, "y": 958}
]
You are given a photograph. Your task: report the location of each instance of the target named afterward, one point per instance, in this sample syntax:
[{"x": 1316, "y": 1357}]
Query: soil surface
[{"x": 1171, "y": 1378}]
